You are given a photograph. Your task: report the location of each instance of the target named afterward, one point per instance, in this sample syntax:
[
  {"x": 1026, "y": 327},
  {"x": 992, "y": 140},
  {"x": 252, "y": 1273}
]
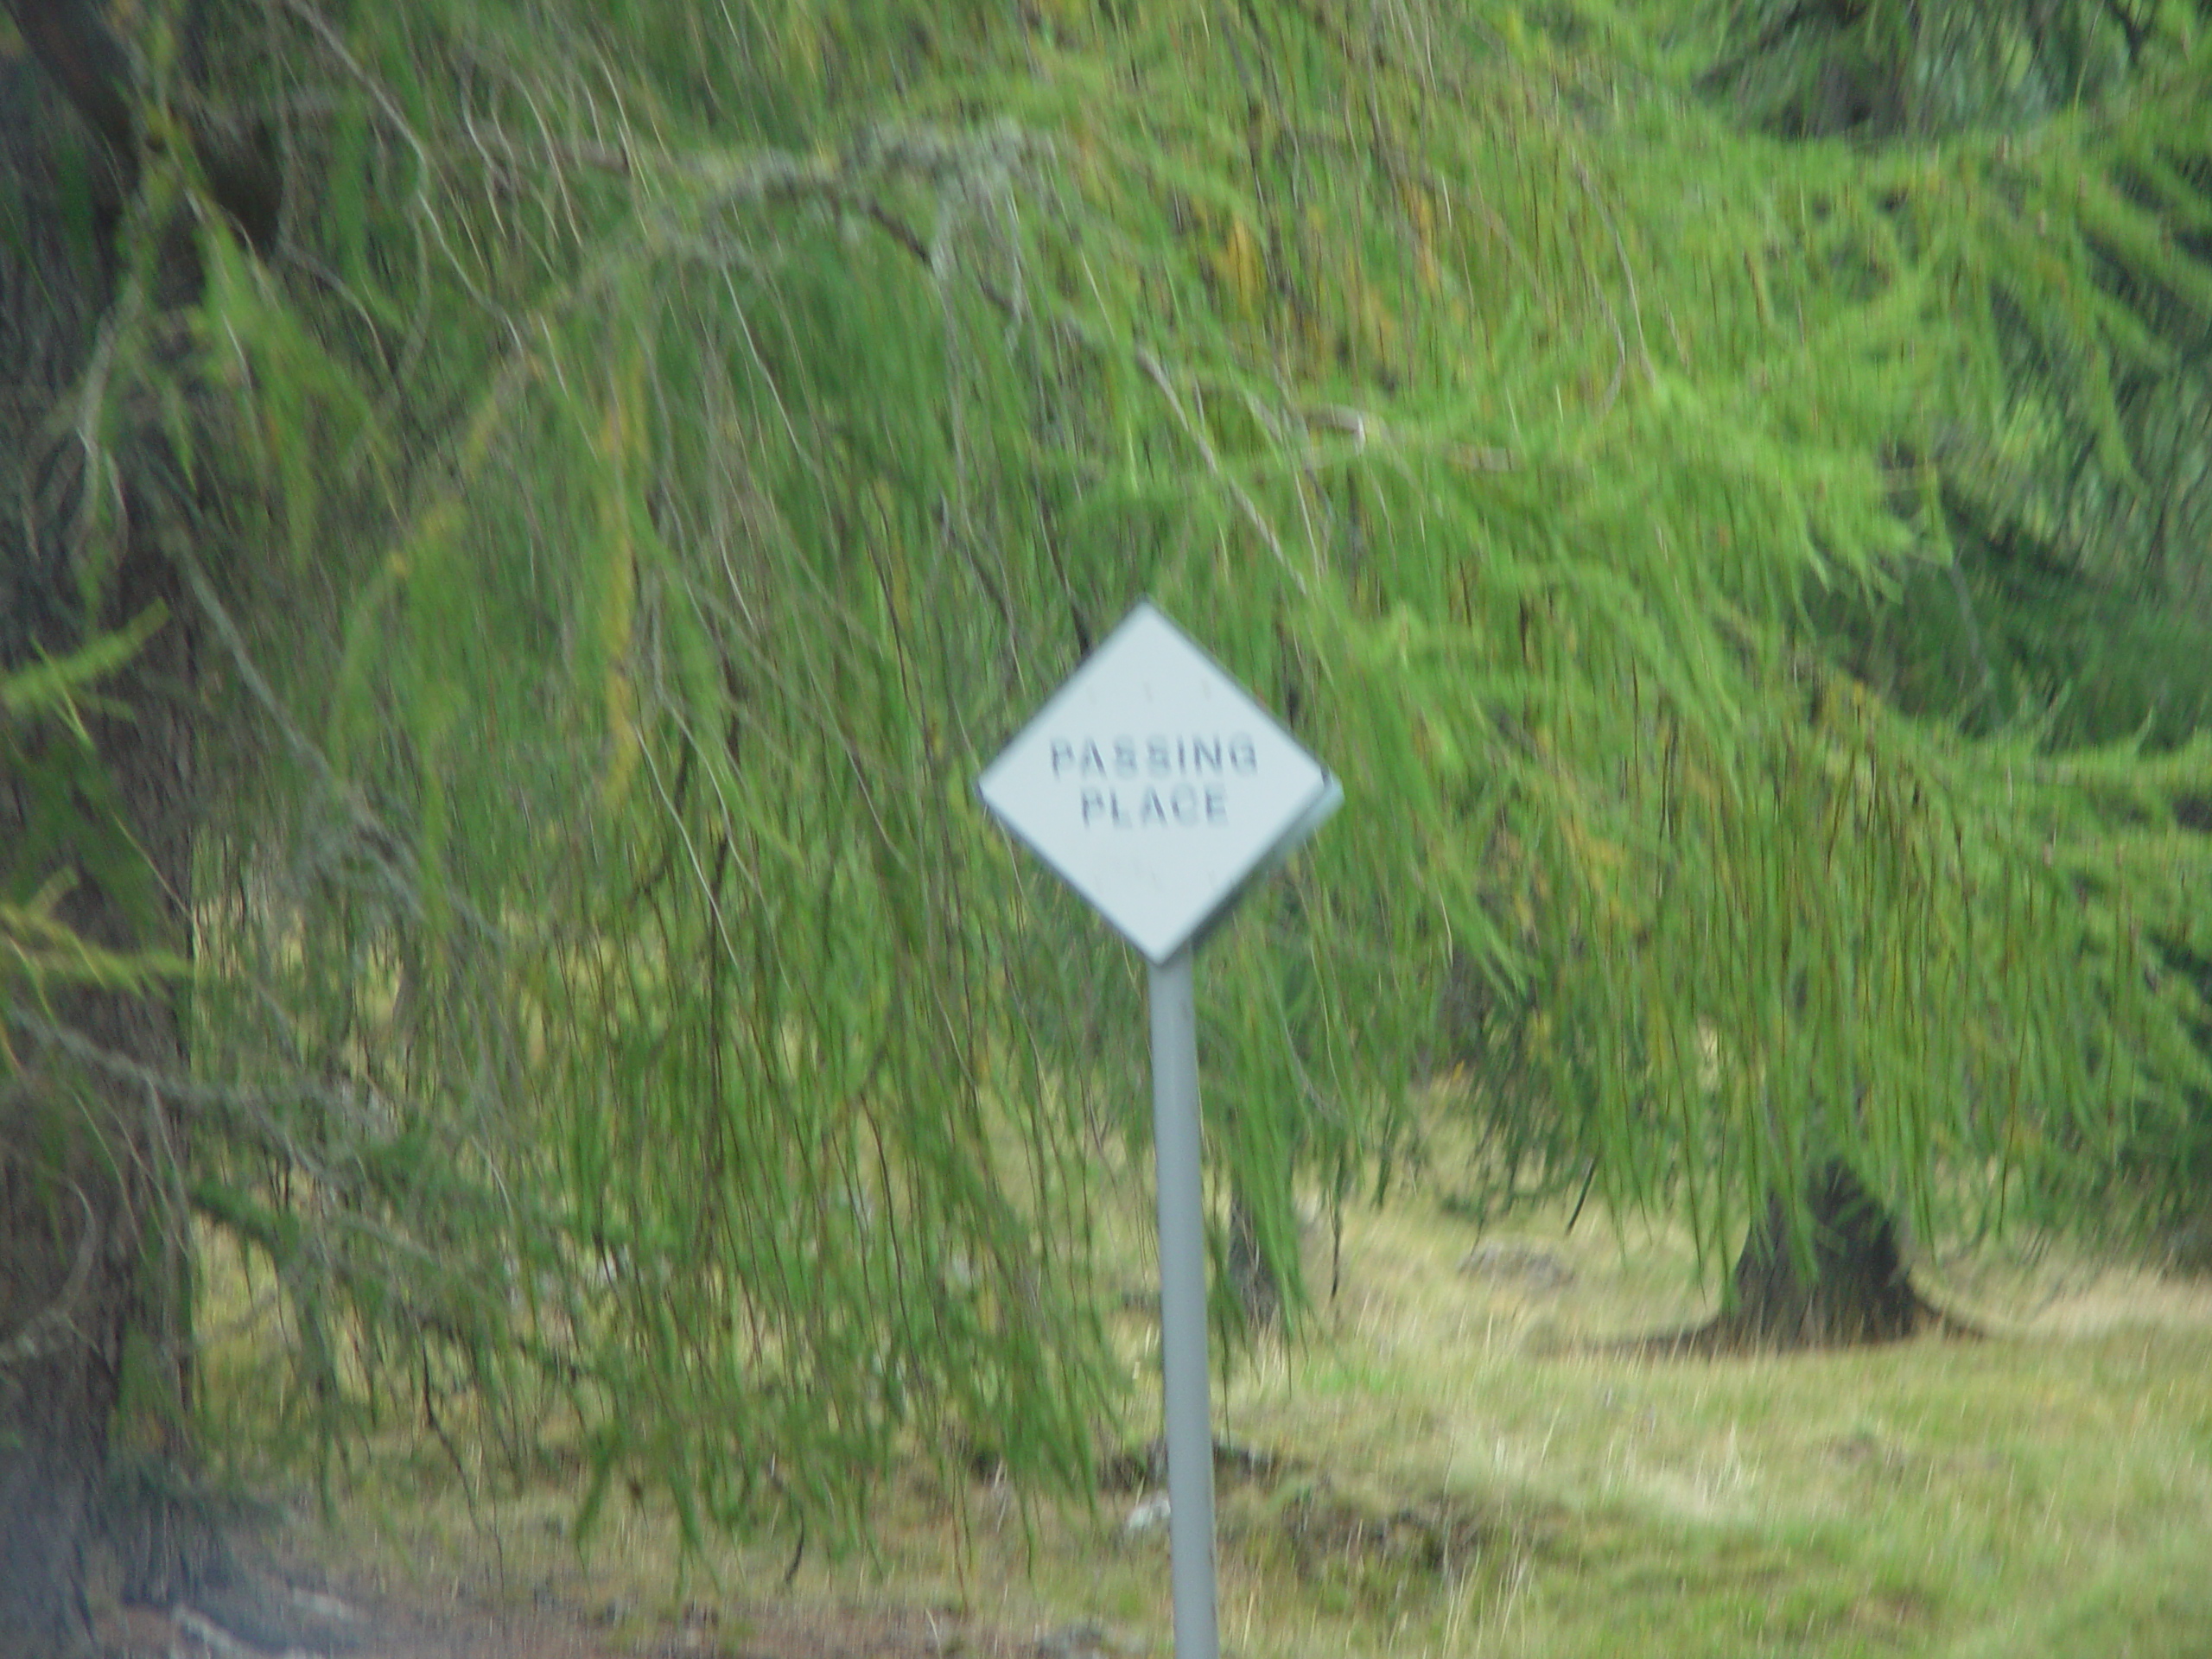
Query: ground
[
  {"x": 322, "y": 1609},
  {"x": 1462, "y": 1460}
]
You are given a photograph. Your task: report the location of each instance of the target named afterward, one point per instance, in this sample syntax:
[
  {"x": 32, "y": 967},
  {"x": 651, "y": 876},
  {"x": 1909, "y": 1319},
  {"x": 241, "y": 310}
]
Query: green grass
[
  {"x": 2048, "y": 1490},
  {"x": 1461, "y": 1468}
]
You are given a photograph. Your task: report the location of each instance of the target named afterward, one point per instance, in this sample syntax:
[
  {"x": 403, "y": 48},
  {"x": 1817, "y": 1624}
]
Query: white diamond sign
[{"x": 1155, "y": 787}]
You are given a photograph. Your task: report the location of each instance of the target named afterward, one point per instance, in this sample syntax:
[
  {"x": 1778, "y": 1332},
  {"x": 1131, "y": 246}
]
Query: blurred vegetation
[{"x": 1722, "y": 484}]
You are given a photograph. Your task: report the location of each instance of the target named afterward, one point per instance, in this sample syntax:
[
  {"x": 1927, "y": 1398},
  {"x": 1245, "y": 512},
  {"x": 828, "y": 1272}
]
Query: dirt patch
[
  {"x": 1357, "y": 1555},
  {"x": 1380, "y": 1558},
  {"x": 1144, "y": 1468},
  {"x": 280, "y": 1617},
  {"x": 1533, "y": 1268}
]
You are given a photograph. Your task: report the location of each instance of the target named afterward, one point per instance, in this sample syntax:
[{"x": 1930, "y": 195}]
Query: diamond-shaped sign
[{"x": 1155, "y": 786}]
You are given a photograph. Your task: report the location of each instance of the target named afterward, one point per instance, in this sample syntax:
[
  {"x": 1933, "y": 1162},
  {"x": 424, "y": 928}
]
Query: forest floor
[{"x": 1458, "y": 1460}]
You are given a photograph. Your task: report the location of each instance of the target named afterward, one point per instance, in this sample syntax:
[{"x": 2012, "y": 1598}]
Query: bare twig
[
  {"x": 1365, "y": 426},
  {"x": 1250, "y": 508}
]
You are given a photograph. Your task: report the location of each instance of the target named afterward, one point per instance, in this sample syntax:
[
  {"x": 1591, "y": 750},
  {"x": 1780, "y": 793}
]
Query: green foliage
[
  {"x": 44, "y": 744},
  {"x": 680, "y": 443}
]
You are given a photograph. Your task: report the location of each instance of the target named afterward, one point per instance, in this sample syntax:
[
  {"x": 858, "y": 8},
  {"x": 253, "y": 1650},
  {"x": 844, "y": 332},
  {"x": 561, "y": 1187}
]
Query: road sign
[
  {"x": 1155, "y": 787},
  {"x": 1159, "y": 790}
]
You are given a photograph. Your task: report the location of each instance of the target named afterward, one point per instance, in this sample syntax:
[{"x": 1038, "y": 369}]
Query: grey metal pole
[{"x": 1183, "y": 1308}]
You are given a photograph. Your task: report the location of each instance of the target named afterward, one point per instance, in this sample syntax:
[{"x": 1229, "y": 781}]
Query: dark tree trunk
[
  {"x": 1846, "y": 1283},
  {"x": 90, "y": 1153},
  {"x": 80, "y": 1154},
  {"x": 148, "y": 1517},
  {"x": 69, "y": 1203},
  {"x": 1842, "y": 1283},
  {"x": 62, "y": 1301},
  {"x": 1251, "y": 1276}
]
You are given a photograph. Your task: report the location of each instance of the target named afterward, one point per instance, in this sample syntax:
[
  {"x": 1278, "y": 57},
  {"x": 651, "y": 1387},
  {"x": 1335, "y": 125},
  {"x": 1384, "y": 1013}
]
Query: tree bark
[
  {"x": 86, "y": 1158},
  {"x": 81, "y": 1156},
  {"x": 1846, "y": 1284},
  {"x": 1252, "y": 1276},
  {"x": 1843, "y": 1283}
]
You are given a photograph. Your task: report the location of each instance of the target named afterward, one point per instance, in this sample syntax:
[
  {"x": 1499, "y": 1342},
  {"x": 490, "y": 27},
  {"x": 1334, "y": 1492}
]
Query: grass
[
  {"x": 2046, "y": 1491},
  {"x": 1457, "y": 1470}
]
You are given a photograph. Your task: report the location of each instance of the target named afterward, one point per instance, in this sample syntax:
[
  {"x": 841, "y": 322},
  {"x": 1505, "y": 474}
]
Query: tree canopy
[{"x": 1673, "y": 461}]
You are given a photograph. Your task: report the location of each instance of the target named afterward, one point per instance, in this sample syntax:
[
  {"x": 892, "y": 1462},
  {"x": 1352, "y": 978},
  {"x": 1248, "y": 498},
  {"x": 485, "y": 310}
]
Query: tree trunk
[
  {"x": 80, "y": 1151},
  {"x": 1842, "y": 1284},
  {"x": 62, "y": 1299},
  {"x": 1251, "y": 1276},
  {"x": 1846, "y": 1284},
  {"x": 88, "y": 1149},
  {"x": 146, "y": 1515}
]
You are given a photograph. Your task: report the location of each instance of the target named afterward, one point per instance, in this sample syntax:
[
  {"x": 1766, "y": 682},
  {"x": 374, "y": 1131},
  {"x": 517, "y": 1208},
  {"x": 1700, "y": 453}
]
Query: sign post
[
  {"x": 1188, "y": 1408},
  {"x": 1160, "y": 791}
]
